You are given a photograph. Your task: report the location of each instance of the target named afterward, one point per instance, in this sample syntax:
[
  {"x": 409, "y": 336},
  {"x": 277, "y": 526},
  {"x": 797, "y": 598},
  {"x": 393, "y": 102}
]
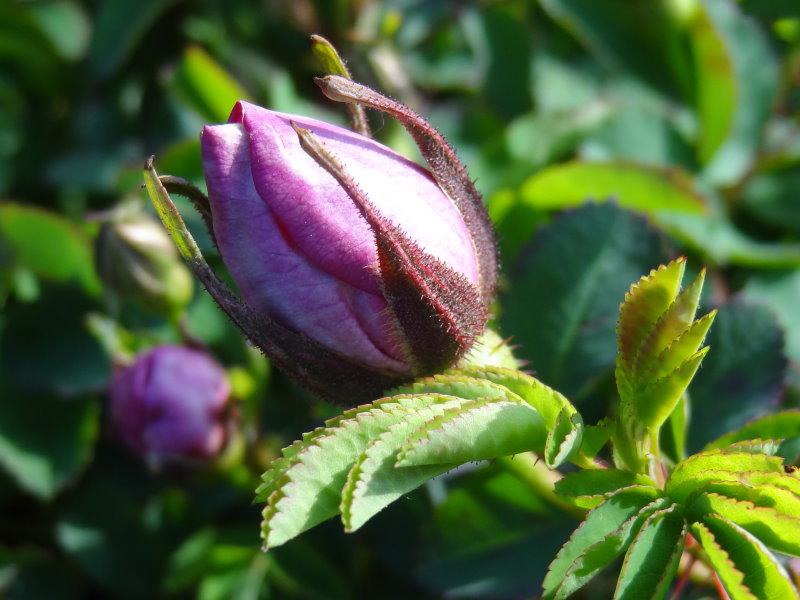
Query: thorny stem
[{"x": 530, "y": 468}]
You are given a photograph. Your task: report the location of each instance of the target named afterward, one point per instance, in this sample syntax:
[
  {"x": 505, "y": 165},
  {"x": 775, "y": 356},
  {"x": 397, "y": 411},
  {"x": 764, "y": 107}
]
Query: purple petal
[{"x": 273, "y": 276}]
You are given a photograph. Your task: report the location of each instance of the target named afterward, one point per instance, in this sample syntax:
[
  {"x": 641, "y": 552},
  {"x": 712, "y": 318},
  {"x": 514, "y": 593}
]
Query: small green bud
[{"x": 136, "y": 260}]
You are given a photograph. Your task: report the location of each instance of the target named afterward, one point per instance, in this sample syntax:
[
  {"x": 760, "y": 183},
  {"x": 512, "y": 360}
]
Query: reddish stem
[
  {"x": 720, "y": 589},
  {"x": 684, "y": 579}
]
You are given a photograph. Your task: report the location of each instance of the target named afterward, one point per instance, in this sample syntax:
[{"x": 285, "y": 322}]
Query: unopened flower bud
[
  {"x": 358, "y": 268},
  {"x": 136, "y": 260},
  {"x": 170, "y": 404}
]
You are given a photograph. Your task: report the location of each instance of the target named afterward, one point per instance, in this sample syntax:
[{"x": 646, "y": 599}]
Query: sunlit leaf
[{"x": 652, "y": 559}]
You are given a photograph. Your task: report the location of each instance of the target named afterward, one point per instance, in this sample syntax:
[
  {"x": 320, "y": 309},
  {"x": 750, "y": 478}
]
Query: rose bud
[
  {"x": 358, "y": 269},
  {"x": 136, "y": 260},
  {"x": 170, "y": 404}
]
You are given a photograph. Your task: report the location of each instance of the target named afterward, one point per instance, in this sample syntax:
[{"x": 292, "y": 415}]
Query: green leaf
[
  {"x": 718, "y": 558},
  {"x": 645, "y": 38},
  {"x": 547, "y": 401},
  {"x": 779, "y": 292},
  {"x": 653, "y": 557},
  {"x": 659, "y": 353},
  {"x": 644, "y": 307},
  {"x": 604, "y": 534},
  {"x": 374, "y": 481},
  {"x": 693, "y": 474},
  {"x": 746, "y": 367},
  {"x": 206, "y": 86},
  {"x": 637, "y": 187},
  {"x": 47, "y": 244},
  {"x": 590, "y": 487},
  {"x": 784, "y": 424},
  {"x": 475, "y": 430},
  {"x": 777, "y": 530},
  {"x": 306, "y": 490},
  {"x": 52, "y": 348},
  {"x": 764, "y": 576},
  {"x": 596, "y": 436},
  {"x": 564, "y": 439},
  {"x": 45, "y": 442},
  {"x": 118, "y": 28},
  {"x": 566, "y": 288},
  {"x": 737, "y": 81},
  {"x": 716, "y": 239}
]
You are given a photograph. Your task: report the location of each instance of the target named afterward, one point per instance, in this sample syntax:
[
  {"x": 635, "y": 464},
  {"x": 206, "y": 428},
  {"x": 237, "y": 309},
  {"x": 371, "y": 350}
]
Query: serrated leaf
[
  {"x": 747, "y": 367},
  {"x": 644, "y": 304},
  {"x": 565, "y": 291},
  {"x": 777, "y": 530},
  {"x": 653, "y": 557},
  {"x": 604, "y": 534},
  {"x": 564, "y": 439},
  {"x": 476, "y": 430},
  {"x": 657, "y": 400},
  {"x": 459, "y": 385},
  {"x": 719, "y": 559},
  {"x": 764, "y": 576},
  {"x": 308, "y": 488},
  {"x": 781, "y": 425},
  {"x": 691, "y": 475},
  {"x": 548, "y": 402},
  {"x": 596, "y": 436},
  {"x": 375, "y": 482},
  {"x": 589, "y": 488},
  {"x": 410, "y": 402},
  {"x": 672, "y": 325}
]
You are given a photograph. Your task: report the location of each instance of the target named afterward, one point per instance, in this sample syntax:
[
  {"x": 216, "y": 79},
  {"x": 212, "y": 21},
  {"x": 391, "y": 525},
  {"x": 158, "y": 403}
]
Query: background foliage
[{"x": 680, "y": 120}]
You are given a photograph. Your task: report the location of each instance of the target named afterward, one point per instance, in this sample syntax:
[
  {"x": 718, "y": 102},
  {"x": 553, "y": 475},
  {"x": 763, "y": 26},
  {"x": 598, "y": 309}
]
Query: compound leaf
[
  {"x": 652, "y": 559},
  {"x": 591, "y": 487},
  {"x": 763, "y": 574},
  {"x": 604, "y": 534},
  {"x": 777, "y": 530},
  {"x": 475, "y": 430}
]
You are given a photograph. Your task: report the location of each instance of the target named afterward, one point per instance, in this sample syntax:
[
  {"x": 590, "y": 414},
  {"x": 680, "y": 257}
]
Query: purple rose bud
[
  {"x": 170, "y": 404},
  {"x": 358, "y": 269},
  {"x": 297, "y": 246}
]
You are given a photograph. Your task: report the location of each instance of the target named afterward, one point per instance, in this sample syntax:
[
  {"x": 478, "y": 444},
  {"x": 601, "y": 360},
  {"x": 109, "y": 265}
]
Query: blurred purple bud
[{"x": 170, "y": 404}]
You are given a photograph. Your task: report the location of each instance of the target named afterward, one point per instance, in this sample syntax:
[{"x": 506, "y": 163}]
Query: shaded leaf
[
  {"x": 566, "y": 289},
  {"x": 746, "y": 368},
  {"x": 781, "y": 425}
]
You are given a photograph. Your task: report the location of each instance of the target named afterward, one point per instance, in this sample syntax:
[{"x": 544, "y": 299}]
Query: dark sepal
[
  {"x": 438, "y": 312},
  {"x": 182, "y": 187},
  {"x": 326, "y": 373},
  {"x": 449, "y": 172}
]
